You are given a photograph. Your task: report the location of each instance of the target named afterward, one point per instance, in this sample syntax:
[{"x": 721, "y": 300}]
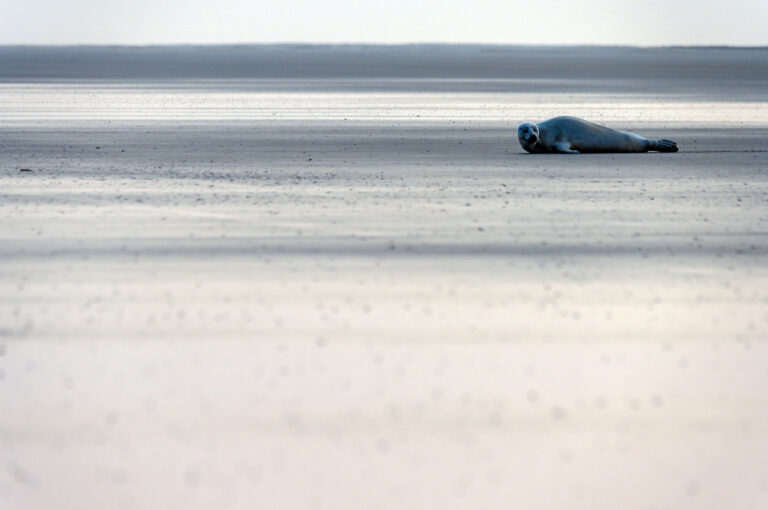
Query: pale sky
[{"x": 637, "y": 22}]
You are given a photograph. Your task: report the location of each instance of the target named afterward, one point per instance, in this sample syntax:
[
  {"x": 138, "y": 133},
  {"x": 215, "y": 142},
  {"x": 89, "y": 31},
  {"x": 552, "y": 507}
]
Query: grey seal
[{"x": 571, "y": 135}]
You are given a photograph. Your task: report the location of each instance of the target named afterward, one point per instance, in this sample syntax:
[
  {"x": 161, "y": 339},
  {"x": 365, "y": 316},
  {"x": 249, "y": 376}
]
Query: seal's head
[{"x": 528, "y": 135}]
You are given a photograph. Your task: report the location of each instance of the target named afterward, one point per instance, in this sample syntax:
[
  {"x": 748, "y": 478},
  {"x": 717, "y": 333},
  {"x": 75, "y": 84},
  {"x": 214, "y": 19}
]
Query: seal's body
[{"x": 570, "y": 135}]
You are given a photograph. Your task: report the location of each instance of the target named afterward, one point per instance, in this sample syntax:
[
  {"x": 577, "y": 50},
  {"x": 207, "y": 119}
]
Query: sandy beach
[{"x": 329, "y": 277}]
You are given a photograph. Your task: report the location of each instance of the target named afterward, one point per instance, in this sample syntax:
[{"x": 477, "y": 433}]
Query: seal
[{"x": 571, "y": 135}]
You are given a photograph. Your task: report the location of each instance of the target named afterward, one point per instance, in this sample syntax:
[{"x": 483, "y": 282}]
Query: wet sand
[{"x": 338, "y": 282}]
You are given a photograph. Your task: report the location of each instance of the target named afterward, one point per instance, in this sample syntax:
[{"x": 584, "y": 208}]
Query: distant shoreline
[{"x": 299, "y": 45}]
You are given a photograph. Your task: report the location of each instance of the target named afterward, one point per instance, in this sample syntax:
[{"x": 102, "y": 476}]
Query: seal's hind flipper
[{"x": 664, "y": 146}]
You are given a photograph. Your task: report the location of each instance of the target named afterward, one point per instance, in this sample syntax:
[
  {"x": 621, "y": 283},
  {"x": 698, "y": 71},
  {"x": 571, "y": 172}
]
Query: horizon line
[{"x": 383, "y": 44}]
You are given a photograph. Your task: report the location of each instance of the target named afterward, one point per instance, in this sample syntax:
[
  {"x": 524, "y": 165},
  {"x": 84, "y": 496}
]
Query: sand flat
[{"x": 352, "y": 289}]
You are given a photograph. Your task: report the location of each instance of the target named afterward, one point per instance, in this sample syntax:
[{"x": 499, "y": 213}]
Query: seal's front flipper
[
  {"x": 565, "y": 148},
  {"x": 663, "y": 146}
]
